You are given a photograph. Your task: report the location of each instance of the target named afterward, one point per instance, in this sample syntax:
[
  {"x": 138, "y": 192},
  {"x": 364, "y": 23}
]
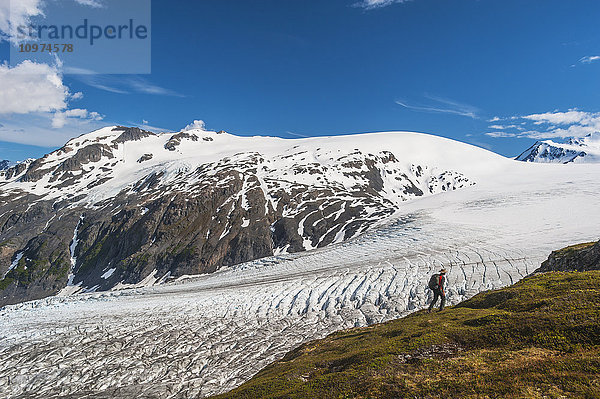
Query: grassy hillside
[{"x": 539, "y": 338}]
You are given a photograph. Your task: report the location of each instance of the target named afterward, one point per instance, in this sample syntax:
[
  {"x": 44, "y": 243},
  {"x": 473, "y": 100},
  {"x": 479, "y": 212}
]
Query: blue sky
[{"x": 497, "y": 74}]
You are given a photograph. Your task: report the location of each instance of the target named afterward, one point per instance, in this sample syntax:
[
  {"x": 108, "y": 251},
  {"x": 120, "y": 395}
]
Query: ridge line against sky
[{"x": 445, "y": 67}]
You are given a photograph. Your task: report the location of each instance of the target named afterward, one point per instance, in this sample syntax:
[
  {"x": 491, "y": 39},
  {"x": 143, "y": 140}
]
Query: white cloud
[
  {"x": 500, "y": 134},
  {"x": 561, "y": 118},
  {"x": 34, "y": 103},
  {"x": 38, "y": 88},
  {"x": 143, "y": 86},
  {"x": 91, "y": 3},
  {"x": 31, "y": 87},
  {"x": 571, "y": 131},
  {"x": 556, "y": 124},
  {"x": 371, "y": 4},
  {"x": 504, "y": 127},
  {"x": 95, "y": 83},
  {"x": 146, "y": 126},
  {"x": 60, "y": 119},
  {"x": 14, "y": 13},
  {"x": 36, "y": 129},
  {"x": 589, "y": 59},
  {"x": 120, "y": 85},
  {"x": 197, "y": 124},
  {"x": 444, "y": 106}
]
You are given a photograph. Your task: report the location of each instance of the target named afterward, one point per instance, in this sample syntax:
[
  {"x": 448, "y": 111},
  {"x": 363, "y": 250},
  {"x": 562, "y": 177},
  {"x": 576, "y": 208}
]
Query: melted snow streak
[
  {"x": 14, "y": 263},
  {"x": 208, "y": 334},
  {"x": 71, "y": 288}
]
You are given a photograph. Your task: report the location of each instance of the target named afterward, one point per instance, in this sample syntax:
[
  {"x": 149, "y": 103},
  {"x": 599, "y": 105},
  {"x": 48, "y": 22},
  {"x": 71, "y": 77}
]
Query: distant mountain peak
[{"x": 573, "y": 150}]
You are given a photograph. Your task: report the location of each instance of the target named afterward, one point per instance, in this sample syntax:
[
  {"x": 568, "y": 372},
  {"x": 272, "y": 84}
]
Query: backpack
[{"x": 434, "y": 282}]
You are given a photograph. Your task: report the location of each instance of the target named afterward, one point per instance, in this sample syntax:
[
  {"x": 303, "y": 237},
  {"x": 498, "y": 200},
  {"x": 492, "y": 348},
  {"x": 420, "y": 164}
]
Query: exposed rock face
[
  {"x": 145, "y": 157},
  {"x": 4, "y": 164},
  {"x": 130, "y": 134},
  {"x": 582, "y": 257},
  {"x": 121, "y": 206},
  {"x": 175, "y": 140}
]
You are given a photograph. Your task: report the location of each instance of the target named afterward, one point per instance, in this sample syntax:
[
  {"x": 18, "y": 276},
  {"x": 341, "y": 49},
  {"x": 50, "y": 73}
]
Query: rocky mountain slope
[
  {"x": 577, "y": 150},
  {"x": 580, "y": 257},
  {"x": 121, "y": 207},
  {"x": 537, "y": 338}
]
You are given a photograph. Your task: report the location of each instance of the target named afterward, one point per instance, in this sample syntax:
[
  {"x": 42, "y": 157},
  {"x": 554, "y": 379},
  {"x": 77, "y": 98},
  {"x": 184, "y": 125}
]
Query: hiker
[{"x": 436, "y": 284}]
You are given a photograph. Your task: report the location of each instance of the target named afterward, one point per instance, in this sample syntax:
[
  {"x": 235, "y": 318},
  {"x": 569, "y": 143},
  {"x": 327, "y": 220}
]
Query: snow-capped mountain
[
  {"x": 4, "y": 164},
  {"x": 577, "y": 150},
  {"x": 121, "y": 207}
]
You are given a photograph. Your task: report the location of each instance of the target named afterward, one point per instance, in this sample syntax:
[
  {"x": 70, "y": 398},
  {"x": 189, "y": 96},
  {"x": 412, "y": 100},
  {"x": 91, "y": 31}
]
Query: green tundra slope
[{"x": 539, "y": 338}]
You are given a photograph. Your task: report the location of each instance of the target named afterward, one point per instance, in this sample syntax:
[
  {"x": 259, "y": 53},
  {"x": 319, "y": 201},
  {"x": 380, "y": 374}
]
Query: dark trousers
[{"x": 437, "y": 293}]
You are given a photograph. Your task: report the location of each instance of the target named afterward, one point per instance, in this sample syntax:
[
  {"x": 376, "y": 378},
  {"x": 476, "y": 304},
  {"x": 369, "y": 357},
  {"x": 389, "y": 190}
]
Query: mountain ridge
[{"x": 573, "y": 150}]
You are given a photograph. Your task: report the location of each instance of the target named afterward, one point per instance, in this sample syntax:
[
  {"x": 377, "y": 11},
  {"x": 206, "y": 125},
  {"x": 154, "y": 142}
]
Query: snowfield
[{"x": 208, "y": 334}]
